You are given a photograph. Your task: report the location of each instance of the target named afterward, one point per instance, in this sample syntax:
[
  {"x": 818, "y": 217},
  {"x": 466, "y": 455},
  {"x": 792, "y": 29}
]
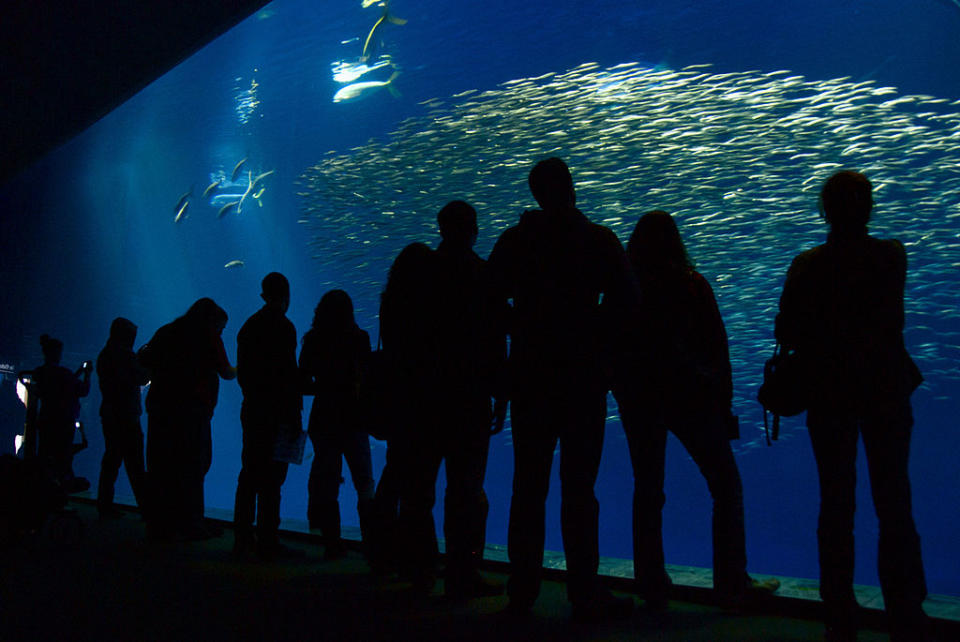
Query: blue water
[{"x": 88, "y": 232}]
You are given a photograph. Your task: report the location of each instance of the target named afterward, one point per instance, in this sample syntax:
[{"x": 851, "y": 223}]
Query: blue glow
[{"x": 330, "y": 191}]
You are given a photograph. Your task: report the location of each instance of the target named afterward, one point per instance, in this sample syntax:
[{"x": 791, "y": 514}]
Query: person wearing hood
[{"x": 120, "y": 376}]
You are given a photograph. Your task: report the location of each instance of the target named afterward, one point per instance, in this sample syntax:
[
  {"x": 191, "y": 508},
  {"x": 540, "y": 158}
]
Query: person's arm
[
  {"x": 139, "y": 373},
  {"x": 83, "y": 387},
  {"x": 307, "y": 368},
  {"x": 789, "y": 324},
  {"x": 717, "y": 347},
  {"x": 224, "y": 369}
]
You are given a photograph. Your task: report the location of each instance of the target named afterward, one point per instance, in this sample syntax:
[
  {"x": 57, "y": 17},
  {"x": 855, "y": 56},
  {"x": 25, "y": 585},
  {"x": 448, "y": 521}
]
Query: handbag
[{"x": 785, "y": 391}]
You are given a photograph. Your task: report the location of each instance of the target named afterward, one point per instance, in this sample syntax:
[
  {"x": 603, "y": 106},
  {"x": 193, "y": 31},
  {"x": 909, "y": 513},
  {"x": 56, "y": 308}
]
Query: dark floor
[{"x": 112, "y": 584}]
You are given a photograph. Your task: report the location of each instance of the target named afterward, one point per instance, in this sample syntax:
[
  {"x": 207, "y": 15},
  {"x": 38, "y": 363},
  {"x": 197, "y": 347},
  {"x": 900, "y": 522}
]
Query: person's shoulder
[
  {"x": 604, "y": 233},
  {"x": 808, "y": 257},
  {"x": 888, "y": 246},
  {"x": 698, "y": 279},
  {"x": 510, "y": 237}
]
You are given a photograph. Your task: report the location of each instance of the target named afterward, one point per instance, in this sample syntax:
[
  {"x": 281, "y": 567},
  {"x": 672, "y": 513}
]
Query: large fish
[
  {"x": 347, "y": 72},
  {"x": 360, "y": 90},
  {"x": 386, "y": 17}
]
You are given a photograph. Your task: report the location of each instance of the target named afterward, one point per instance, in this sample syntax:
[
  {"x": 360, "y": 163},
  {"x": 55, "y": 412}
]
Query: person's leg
[
  {"x": 356, "y": 450},
  {"x": 420, "y": 463},
  {"x": 163, "y": 440},
  {"x": 272, "y": 474},
  {"x": 245, "y": 501},
  {"x": 110, "y": 464},
  {"x": 886, "y": 442},
  {"x": 647, "y": 439},
  {"x": 382, "y": 545},
  {"x": 195, "y": 459},
  {"x": 581, "y": 422},
  {"x": 834, "y": 441},
  {"x": 323, "y": 508},
  {"x": 706, "y": 440},
  {"x": 534, "y": 440},
  {"x": 133, "y": 460},
  {"x": 465, "y": 504}
]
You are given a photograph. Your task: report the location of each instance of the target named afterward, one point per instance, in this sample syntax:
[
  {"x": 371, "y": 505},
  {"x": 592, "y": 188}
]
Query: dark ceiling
[{"x": 66, "y": 63}]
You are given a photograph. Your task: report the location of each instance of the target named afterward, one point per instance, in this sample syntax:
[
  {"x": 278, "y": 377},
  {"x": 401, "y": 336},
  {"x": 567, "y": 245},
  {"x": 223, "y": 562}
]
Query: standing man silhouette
[
  {"x": 556, "y": 266},
  {"x": 268, "y": 376}
]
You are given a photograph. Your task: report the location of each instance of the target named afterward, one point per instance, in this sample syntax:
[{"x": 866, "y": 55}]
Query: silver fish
[
  {"x": 226, "y": 208},
  {"x": 211, "y": 188},
  {"x": 236, "y": 170}
]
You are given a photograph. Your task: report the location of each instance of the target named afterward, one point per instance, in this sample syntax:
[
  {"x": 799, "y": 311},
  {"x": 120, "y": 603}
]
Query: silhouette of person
[
  {"x": 406, "y": 318},
  {"x": 331, "y": 367},
  {"x": 186, "y": 359},
  {"x": 674, "y": 374},
  {"x": 556, "y": 266},
  {"x": 267, "y": 374},
  {"x": 455, "y": 426},
  {"x": 120, "y": 376},
  {"x": 58, "y": 391},
  {"x": 842, "y": 311}
]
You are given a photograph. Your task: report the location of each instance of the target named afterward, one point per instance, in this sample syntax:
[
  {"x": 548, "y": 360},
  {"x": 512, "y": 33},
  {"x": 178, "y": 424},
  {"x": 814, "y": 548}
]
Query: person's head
[
  {"x": 410, "y": 270},
  {"x": 655, "y": 244},
  {"x": 334, "y": 312},
  {"x": 205, "y": 313},
  {"x": 552, "y": 185},
  {"x": 846, "y": 201},
  {"x": 52, "y": 349},
  {"x": 275, "y": 291},
  {"x": 458, "y": 224},
  {"x": 123, "y": 332}
]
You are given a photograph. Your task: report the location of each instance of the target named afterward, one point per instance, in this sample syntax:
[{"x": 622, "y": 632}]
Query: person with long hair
[
  {"x": 675, "y": 375},
  {"x": 409, "y": 362},
  {"x": 842, "y": 311},
  {"x": 332, "y": 360}
]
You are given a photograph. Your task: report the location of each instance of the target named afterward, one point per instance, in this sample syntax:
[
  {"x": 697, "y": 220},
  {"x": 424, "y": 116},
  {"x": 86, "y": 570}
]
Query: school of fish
[{"x": 738, "y": 158}]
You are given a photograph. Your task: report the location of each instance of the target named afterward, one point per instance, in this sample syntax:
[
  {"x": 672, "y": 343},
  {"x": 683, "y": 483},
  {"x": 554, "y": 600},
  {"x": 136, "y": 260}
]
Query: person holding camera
[
  {"x": 59, "y": 391},
  {"x": 674, "y": 374}
]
